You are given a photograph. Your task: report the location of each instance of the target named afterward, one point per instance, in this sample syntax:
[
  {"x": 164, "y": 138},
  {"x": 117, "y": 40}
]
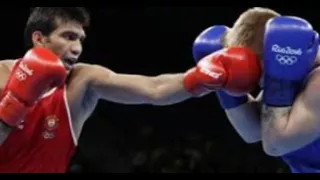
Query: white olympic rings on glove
[
  {"x": 21, "y": 76},
  {"x": 286, "y": 59}
]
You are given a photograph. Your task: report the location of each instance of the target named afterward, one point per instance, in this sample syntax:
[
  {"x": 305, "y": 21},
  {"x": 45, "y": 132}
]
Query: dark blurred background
[{"x": 190, "y": 137}]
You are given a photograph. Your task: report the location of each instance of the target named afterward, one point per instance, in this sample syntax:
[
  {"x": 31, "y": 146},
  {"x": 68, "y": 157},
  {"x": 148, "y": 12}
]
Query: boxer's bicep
[
  {"x": 287, "y": 129},
  {"x": 304, "y": 118}
]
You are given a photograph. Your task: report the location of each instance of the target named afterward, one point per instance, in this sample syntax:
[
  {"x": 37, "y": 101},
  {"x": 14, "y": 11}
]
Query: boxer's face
[{"x": 65, "y": 41}]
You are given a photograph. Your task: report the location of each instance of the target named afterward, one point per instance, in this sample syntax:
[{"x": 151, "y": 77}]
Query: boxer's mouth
[{"x": 68, "y": 63}]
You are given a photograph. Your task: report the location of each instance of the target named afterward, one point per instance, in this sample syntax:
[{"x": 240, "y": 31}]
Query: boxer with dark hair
[
  {"x": 285, "y": 116},
  {"x": 42, "y": 114}
]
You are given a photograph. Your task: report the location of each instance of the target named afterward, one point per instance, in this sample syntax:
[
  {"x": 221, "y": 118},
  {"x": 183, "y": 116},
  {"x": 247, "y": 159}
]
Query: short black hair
[{"x": 44, "y": 19}]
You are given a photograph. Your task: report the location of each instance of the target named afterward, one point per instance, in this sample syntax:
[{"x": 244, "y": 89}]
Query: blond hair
[{"x": 248, "y": 30}]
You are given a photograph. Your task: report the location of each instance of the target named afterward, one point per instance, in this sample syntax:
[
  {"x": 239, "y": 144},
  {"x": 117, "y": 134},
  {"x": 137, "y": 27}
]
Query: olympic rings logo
[
  {"x": 21, "y": 76},
  {"x": 286, "y": 59}
]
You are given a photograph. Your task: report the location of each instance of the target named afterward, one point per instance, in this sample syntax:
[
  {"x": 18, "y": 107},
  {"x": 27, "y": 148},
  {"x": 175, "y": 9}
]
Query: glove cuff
[
  {"x": 12, "y": 111},
  {"x": 192, "y": 84},
  {"x": 228, "y": 102},
  {"x": 280, "y": 93}
]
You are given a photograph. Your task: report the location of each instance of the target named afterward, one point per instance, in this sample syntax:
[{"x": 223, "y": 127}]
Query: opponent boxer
[
  {"x": 42, "y": 133},
  {"x": 289, "y": 124},
  {"x": 237, "y": 109},
  {"x": 290, "y": 115}
]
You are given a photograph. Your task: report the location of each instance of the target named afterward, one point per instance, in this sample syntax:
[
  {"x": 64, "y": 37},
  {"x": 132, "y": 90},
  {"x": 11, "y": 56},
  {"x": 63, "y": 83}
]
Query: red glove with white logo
[
  {"x": 235, "y": 70},
  {"x": 39, "y": 70}
]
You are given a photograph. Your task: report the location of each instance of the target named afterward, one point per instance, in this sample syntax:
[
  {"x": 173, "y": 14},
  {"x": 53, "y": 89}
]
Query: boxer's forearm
[
  {"x": 169, "y": 89},
  {"x": 245, "y": 119},
  {"x": 4, "y": 132}
]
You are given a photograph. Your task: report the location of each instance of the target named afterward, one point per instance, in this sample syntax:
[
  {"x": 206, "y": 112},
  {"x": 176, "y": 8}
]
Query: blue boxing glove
[
  {"x": 290, "y": 49},
  {"x": 209, "y": 41}
]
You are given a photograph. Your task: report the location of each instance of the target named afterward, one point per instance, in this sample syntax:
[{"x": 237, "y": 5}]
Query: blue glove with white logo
[
  {"x": 209, "y": 41},
  {"x": 290, "y": 50}
]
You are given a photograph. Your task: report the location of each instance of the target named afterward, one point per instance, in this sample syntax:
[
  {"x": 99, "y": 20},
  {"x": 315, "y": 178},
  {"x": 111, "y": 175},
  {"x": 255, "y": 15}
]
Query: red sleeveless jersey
[{"x": 45, "y": 141}]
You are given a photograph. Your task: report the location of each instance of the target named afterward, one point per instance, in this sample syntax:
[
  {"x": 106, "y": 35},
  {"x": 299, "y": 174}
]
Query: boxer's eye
[{"x": 71, "y": 36}]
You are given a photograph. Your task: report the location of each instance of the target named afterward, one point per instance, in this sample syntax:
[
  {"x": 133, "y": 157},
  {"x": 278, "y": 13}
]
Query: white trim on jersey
[
  {"x": 65, "y": 99},
  {"x": 48, "y": 93}
]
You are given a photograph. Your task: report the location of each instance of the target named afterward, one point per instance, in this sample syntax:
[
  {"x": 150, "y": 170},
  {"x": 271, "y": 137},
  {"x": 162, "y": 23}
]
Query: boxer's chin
[{"x": 68, "y": 68}]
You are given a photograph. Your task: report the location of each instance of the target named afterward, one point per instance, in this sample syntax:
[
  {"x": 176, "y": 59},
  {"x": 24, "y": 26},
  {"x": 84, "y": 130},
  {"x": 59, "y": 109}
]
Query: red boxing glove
[
  {"x": 236, "y": 70},
  {"x": 39, "y": 70}
]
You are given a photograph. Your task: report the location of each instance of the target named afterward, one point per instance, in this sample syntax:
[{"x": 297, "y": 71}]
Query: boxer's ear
[{"x": 38, "y": 39}]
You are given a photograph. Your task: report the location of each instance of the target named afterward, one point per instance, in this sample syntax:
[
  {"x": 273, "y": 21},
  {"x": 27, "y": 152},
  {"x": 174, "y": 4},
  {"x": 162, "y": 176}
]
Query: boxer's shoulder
[
  {"x": 81, "y": 71},
  {"x": 82, "y": 68},
  {"x": 80, "y": 78},
  {"x": 77, "y": 79},
  {"x": 86, "y": 71}
]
